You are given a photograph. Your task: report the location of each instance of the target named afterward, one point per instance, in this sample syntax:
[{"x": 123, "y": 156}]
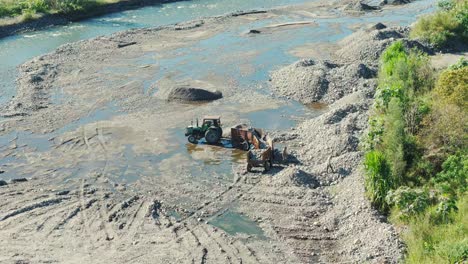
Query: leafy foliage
[
  {"x": 449, "y": 23},
  {"x": 27, "y": 8},
  {"x": 410, "y": 202},
  {"x": 452, "y": 86},
  {"x": 454, "y": 175},
  {"x": 378, "y": 178},
  {"x": 416, "y": 157},
  {"x": 442, "y": 242},
  {"x": 393, "y": 140}
]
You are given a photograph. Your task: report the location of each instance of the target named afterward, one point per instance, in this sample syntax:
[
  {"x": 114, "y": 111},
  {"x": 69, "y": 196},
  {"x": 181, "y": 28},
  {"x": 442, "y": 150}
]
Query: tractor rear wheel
[
  {"x": 212, "y": 136},
  {"x": 267, "y": 165},
  {"x": 220, "y": 131},
  {"x": 192, "y": 139}
]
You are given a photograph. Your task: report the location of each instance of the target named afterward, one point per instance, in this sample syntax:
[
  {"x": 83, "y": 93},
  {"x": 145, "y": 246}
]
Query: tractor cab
[
  {"x": 209, "y": 121},
  {"x": 210, "y": 129}
]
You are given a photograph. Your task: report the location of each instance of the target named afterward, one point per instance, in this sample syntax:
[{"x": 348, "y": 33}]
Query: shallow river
[{"x": 200, "y": 59}]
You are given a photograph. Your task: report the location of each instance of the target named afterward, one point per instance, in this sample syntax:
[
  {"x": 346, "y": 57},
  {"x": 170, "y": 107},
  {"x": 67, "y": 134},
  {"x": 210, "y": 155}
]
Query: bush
[
  {"x": 38, "y": 6},
  {"x": 443, "y": 211},
  {"x": 68, "y": 6},
  {"x": 27, "y": 8},
  {"x": 393, "y": 140},
  {"x": 27, "y": 15},
  {"x": 378, "y": 179},
  {"x": 437, "y": 29},
  {"x": 445, "y": 242},
  {"x": 403, "y": 74},
  {"x": 449, "y": 23},
  {"x": 453, "y": 178},
  {"x": 420, "y": 172},
  {"x": 409, "y": 202},
  {"x": 444, "y": 130},
  {"x": 460, "y": 64},
  {"x": 452, "y": 86}
]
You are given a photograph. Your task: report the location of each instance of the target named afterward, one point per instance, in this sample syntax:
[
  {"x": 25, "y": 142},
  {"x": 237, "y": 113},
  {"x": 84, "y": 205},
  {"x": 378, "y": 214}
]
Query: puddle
[
  {"x": 233, "y": 223},
  {"x": 317, "y": 106}
]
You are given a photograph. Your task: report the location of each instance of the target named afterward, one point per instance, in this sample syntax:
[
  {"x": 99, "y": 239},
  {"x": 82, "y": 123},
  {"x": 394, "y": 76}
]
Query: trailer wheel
[
  {"x": 192, "y": 139},
  {"x": 267, "y": 165},
  {"x": 249, "y": 167},
  {"x": 245, "y": 146}
]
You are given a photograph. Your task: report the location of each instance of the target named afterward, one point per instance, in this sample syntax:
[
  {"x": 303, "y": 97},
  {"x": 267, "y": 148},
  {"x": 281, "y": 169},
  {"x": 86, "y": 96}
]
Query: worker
[
  {"x": 329, "y": 166},
  {"x": 285, "y": 154}
]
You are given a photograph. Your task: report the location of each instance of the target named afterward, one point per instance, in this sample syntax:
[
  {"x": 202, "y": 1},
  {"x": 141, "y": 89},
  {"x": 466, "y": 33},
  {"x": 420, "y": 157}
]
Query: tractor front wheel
[
  {"x": 192, "y": 139},
  {"x": 212, "y": 136}
]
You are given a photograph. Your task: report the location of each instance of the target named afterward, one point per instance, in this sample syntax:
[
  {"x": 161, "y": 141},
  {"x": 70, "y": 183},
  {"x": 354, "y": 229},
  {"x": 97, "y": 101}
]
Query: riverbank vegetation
[
  {"x": 28, "y": 9},
  {"x": 416, "y": 157},
  {"x": 447, "y": 25}
]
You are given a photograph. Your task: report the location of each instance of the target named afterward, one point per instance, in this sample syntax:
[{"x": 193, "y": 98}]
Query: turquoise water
[{"x": 17, "y": 49}]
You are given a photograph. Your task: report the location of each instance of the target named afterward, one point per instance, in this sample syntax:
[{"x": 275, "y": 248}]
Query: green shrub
[
  {"x": 374, "y": 135},
  {"x": 443, "y": 211},
  {"x": 420, "y": 172},
  {"x": 444, "y": 242},
  {"x": 27, "y": 15},
  {"x": 453, "y": 178},
  {"x": 68, "y": 6},
  {"x": 403, "y": 74},
  {"x": 447, "y": 24},
  {"x": 408, "y": 201},
  {"x": 437, "y": 29},
  {"x": 462, "y": 62},
  {"x": 452, "y": 86},
  {"x": 38, "y": 6},
  {"x": 28, "y": 7},
  {"x": 393, "y": 140},
  {"x": 378, "y": 180},
  {"x": 444, "y": 129}
]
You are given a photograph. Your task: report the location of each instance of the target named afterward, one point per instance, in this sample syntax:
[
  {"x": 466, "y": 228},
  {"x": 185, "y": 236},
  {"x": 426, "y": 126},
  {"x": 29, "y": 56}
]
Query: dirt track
[{"x": 124, "y": 187}]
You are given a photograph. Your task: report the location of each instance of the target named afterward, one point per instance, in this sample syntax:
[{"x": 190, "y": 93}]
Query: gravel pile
[
  {"x": 193, "y": 94},
  {"x": 354, "y": 68},
  {"x": 310, "y": 81}
]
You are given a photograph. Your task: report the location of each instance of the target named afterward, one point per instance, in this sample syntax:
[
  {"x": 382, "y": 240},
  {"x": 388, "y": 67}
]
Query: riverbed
[{"x": 98, "y": 137}]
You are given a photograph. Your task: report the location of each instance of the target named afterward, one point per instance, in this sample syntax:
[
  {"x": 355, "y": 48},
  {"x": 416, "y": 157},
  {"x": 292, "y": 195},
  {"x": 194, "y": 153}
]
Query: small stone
[
  {"x": 3, "y": 183},
  {"x": 65, "y": 192},
  {"x": 19, "y": 180},
  {"x": 316, "y": 224}
]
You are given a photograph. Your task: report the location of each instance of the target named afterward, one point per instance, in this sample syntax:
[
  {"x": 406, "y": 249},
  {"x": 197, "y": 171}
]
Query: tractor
[{"x": 210, "y": 130}]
